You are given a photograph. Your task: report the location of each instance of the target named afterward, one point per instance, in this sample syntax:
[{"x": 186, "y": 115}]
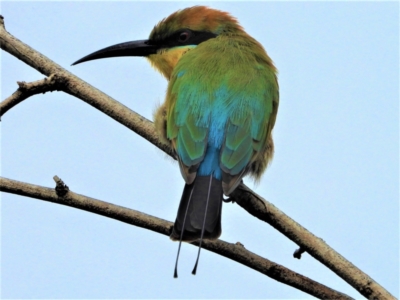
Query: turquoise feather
[
  {"x": 219, "y": 112},
  {"x": 225, "y": 111}
]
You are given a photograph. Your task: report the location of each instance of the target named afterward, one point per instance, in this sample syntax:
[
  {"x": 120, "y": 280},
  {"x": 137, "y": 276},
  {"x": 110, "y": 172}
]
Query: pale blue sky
[{"x": 335, "y": 171}]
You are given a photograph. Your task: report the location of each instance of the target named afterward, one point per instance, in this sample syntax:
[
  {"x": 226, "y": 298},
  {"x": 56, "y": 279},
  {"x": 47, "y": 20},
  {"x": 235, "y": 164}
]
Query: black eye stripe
[{"x": 193, "y": 38}]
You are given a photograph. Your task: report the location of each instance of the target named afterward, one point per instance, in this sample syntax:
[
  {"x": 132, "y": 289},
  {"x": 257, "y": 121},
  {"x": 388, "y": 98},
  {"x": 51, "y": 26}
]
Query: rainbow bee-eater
[{"x": 219, "y": 111}]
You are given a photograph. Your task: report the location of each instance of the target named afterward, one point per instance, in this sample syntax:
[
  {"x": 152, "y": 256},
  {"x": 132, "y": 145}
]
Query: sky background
[{"x": 335, "y": 170}]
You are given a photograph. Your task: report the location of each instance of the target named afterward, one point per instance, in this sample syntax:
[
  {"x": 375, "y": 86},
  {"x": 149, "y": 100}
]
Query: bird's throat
[{"x": 166, "y": 59}]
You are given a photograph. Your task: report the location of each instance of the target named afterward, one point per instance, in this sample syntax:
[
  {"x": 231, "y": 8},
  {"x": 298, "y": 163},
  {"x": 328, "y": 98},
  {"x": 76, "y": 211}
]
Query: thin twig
[
  {"x": 316, "y": 247},
  {"x": 236, "y": 252},
  {"x": 82, "y": 90},
  {"x": 26, "y": 90},
  {"x": 243, "y": 195}
]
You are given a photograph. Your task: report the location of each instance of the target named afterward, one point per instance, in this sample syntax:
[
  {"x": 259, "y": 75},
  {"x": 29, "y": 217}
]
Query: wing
[
  {"x": 249, "y": 127},
  {"x": 187, "y": 125},
  {"x": 229, "y": 101}
]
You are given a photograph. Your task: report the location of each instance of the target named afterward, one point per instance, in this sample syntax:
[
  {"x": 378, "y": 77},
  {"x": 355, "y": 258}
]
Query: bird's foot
[{"x": 227, "y": 200}]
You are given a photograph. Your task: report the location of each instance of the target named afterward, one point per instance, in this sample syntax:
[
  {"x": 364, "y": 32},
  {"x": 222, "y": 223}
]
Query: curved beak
[{"x": 135, "y": 48}]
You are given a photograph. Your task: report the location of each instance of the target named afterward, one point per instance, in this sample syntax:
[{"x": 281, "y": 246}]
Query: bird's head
[{"x": 173, "y": 37}]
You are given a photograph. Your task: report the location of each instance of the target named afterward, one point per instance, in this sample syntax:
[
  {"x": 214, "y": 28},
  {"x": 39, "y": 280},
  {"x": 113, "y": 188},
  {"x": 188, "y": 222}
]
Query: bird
[{"x": 219, "y": 111}]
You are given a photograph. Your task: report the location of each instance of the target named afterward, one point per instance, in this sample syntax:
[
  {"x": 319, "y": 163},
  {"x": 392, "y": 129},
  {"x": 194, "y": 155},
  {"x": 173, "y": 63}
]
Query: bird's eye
[{"x": 183, "y": 36}]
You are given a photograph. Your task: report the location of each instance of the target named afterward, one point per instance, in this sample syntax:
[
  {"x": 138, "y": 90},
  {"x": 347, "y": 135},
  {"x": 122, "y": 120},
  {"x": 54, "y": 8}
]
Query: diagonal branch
[
  {"x": 236, "y": 252},
  {"x": 316, "y": 247},
  {"x": 80, "y": 89},
  {"x": 245, "y": 197}
]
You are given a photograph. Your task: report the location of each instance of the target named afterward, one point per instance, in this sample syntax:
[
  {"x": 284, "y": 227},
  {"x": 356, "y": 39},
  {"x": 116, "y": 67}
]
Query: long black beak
[{"x": 135, "y": 48}]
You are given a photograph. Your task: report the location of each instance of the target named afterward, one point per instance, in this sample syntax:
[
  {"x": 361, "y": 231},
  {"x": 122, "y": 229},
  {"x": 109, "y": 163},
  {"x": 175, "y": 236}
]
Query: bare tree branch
[
  {"x": 245, "y": 197},
  {"x": 316, "y": 247},
  {"x": 236, "y": 252},
  {"x": 80, "y": 89},
  {"x": 25, "y": 90}
]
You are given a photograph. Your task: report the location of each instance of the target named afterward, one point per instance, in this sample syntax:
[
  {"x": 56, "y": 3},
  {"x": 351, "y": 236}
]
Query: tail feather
[{"x": 195, "y": 195}]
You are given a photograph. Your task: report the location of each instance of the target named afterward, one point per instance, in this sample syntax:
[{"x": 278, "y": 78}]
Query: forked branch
[
  {"x": 245, "y": 197},
  {"x": 26, "y": 90}
]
